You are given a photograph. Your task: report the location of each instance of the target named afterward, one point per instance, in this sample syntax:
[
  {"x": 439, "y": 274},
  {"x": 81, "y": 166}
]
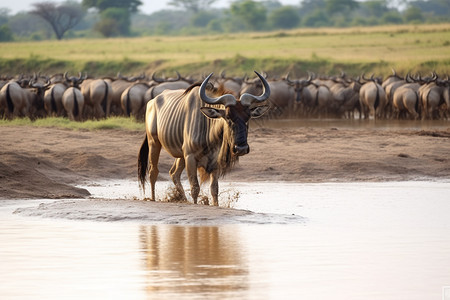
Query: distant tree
[
  {"x": 5, "y": 33},
  {"x": 163, "y": 28},
  {"x": 318, "y": 18},
  {"x": 61, "y": 17},
  {"x": 115, "y": 15},
  {"x": 194, "y": 6},
  {"x": 215, "y": 26},
  {"x": 202, "y": 18},
  {"x": 375, "y": 8},
  {"x": 436, "y": 7},
  {"x": 308, "y": 6},
  {"x": 113, "y": 22},
  {"x": 4, "y": 15},
  {"x": 107, "y": 27},
  {"x": 413, "y": 14},
  {"x": 285, "y": 17},
  {"x": 272, "y": 5},
  {"x": 340, "y": 6},
  {"x": 251, "y": 13},
  {"x": 392, "y": 17},
  {"x": 26, "y": 25},
  {"x": 130, "y": 5}
]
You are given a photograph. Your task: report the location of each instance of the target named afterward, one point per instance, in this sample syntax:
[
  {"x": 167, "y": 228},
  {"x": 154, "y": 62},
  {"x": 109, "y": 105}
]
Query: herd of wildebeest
[{"x": 82, "y": 97}]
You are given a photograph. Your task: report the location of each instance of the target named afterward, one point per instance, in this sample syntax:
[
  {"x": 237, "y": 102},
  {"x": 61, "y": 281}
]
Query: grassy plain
[
  {"x": 119, "y": 123},
  {"x": 328, "y": 51}
]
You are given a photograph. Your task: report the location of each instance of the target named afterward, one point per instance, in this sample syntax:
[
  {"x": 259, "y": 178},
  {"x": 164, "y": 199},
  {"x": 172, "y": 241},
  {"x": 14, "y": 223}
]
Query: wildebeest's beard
[{"x": 226, "y": 159}]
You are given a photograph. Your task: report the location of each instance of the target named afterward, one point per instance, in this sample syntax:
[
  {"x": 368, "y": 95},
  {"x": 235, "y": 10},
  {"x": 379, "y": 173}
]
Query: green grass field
[
  {"x": 118, "y": 123},
  {"x": 328, "y": 51}
]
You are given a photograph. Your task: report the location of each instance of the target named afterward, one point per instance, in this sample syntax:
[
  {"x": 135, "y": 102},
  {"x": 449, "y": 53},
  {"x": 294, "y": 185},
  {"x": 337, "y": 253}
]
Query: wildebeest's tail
[
  {"x": 127, "y": 104},
  {"x": 417, "y": 106},
  {"x": 9, "y": 100},
  {"x": 105, "y": 97},
  {"x": 143, "y": 163},
  {"x": 76, "y": 111},
  {"x": 425, "y": 102},
  {"x": 52, "y": 100},
  {"x": 377, "y": 99}
]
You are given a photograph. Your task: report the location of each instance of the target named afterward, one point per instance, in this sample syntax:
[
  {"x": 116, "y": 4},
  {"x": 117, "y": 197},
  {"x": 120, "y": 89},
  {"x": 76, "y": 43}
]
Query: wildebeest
[
  {"x": 303, "y": 95},
  {"x": 232, "y": 84},
  {"x": 23, "y": 102},
  {"x": 119, "y": 85},
  {"x": 372, "y": 99},
  {"x": 73, "y": 100},
  {"x": 53, "y": 99},
  {"x": 322, "y": 99},
  {"x": 405, "y": 99},
  {"x": 434, "y": 94},
  {"x": 161, "y": 86},
  {"x": 345, "y": 97},
  {"x": 14, "y": 100},
  {"x": 132, "y": 99},
  {"x": 202, "y": 132},
  {"x": 282, "y": 95},
  {"x": 97, "y": 94}
]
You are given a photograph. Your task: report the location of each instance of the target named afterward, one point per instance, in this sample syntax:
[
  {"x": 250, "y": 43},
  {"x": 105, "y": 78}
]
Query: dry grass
[{"x": 406, "y": 48}]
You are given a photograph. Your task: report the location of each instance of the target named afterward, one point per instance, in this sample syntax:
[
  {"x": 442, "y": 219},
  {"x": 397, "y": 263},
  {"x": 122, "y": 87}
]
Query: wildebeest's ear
[
  {"x": 258, "y": 111},
  {"x": 213, "y": 113}
]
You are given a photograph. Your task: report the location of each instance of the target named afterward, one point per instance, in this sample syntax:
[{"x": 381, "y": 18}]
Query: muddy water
[
  {"x": 353, "y": 123},
  {"x": 355, "y": 241}
]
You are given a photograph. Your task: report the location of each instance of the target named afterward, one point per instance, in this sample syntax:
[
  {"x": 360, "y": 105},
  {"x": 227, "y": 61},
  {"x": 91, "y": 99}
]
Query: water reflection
[{"x": 192, "y": 260}]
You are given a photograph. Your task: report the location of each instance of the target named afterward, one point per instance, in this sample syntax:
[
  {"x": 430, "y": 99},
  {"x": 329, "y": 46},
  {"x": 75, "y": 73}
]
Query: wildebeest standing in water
[{"x": 201, "y": 132}]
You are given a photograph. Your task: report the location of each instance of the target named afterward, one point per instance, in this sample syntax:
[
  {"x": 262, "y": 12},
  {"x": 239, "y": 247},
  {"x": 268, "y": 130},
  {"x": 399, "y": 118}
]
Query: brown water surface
[{"x": 354, "y": 241}]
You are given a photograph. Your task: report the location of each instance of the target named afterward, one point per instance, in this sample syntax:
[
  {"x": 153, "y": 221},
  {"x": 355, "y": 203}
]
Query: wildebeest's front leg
[
  {"x": 191, "y": 169},
  {"x": 175, "y": 173}
]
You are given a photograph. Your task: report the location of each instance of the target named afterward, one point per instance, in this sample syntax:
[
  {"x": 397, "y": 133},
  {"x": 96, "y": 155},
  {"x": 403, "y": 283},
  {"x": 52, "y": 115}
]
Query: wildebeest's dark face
[{"x": 237, "y": 117}]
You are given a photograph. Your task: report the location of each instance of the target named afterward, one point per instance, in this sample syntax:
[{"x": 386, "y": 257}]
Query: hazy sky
[{"x": 149, "y": 6}]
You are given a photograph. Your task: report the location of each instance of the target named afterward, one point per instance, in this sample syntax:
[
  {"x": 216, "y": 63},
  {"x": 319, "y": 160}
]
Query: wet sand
[{"x": 48, "y": 162}]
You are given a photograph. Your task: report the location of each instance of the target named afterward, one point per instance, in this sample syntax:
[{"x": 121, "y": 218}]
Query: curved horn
[
  {"x": 81, "y": 78},
  {"x": 226, "y": 99},
  {"x": 312, "y": 75},
  {"x": 435, "y": 76},
  {"x": 247, "y": 99},
  {"x": 33, "y": 84},
  {"x": 289, "y": 81},
  {"x": 158, "y": 80},
  {"x": 47, "y": 84},
  {"x": 174, "y": 79},
  {"x": 408, "y": 78},
  {"x": 394, "y": 73},
  {"x": 66, "y": 77}
]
